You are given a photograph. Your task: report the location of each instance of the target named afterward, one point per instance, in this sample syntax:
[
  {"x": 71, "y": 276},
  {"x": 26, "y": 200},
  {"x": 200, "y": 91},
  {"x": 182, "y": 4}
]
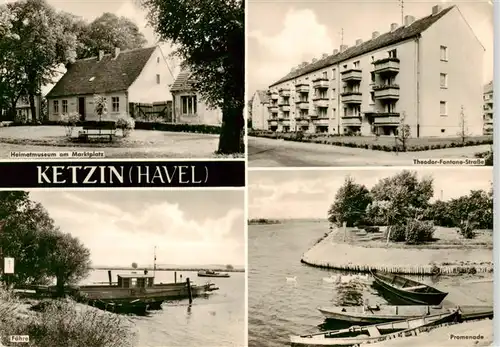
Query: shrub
[
  {"x": 188, "y": 128},
  {"x": 397, "y": 233},
  {"x": 417, "y": 231},
  {"x": 70, "y": 121},
  {"x": 466, "y": 229},
  {"x": 126, "y": 125},
  {"x": 372, "y": 229},
  {"x": 61, "y": 323}
]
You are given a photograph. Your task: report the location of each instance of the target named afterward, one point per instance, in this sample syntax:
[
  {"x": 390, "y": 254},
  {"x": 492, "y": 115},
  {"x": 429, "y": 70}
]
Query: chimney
[
  {"x": 394, "y": 26},
  {"x": 436, "y": 9},
  {"x": 375, "y": 34},
  {"x": 409, "y": 20},
  {"x": 117, "y": 52},
  {"x": 335, "y": 51},
  {"x": 343, "y": 48},
  {"x": 325, "y": 55},
  {"x": 358, "y": 42},
  {"x": 101, "y": 55}
]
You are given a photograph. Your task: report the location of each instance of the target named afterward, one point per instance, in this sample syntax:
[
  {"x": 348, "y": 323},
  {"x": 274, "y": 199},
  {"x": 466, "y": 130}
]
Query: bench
[{"x": 98, "y": 130}]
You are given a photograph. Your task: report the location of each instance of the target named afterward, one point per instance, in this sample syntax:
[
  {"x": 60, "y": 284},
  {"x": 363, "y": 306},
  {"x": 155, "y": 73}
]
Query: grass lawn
[
  {"x": 140, "y": 143},
  {"x": 444, "y": 238}
]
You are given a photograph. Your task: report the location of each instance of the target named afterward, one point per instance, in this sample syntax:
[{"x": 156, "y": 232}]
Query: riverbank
[
  {"x": 338, "y": 252},
  {"x": 474, "y": 333}
]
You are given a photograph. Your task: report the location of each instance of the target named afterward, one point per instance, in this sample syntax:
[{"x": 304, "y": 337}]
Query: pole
[
  {"x": 402, "y": 12},
  {"x": 190, "y": 294},
  {"x": 154, "y": 262}
]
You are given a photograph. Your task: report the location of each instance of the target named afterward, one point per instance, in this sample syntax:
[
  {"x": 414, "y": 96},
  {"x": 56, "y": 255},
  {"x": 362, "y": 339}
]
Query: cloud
[
  {"x": 119, "y": 234},
  {"x": 302, "y": 38}
]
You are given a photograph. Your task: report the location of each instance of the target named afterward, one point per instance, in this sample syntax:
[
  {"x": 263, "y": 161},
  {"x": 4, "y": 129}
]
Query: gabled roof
[
  {"x": 183, "y": 82},
  {"x": 91, "y": 76},
  {"x": 401, "y": 34},
  {"x": 263, "y": 96}
]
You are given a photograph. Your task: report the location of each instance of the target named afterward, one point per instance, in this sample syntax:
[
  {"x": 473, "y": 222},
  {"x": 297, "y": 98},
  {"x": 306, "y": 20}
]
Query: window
[
  {"x": 345, "y": 66},
  {"x": 334, "y": 112},
  {"x": 65, "y": 106},
  {"x": 56, "y": 106},
  {"x": 157, "y": 79},
  {"x": 188, "y": 104},
  {"x": 372, "y": 75},
  {"x": 286, "y": 114},
  {"x": 393, "y": 53},
  {"x": 444, "y": 53},
  {"x": 333, "y": 93},
  {"x": 115, "y": 104},
  {"x": 158, "y": 60},
  {"x": 325, "y": 74},
  {"x": 372, "y": 98},
  {"x": 356, "y": 64},
  {"x": 443, "y": 80},
  {"x": 334, "y": 72},
  {"x": 442, "y": 108},
  {"x": 443, "y": 130}
]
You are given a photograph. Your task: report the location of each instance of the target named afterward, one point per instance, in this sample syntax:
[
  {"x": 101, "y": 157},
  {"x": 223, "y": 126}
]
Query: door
[{"x": 81, "y": 108}]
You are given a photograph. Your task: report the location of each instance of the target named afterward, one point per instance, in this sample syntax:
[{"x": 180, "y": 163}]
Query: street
[{"x": 264, "y": 152}]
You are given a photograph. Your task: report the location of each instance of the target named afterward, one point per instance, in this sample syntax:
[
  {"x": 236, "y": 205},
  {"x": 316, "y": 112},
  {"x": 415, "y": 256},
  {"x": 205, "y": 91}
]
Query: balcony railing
[
  {"x": 285, "y": 107},
  {"x": 385, "y": 65},
  {"x": 273, "y": 94},
  {"x": 285, "y": 121},
  {"x": 386, "y": 91},
  {"x": 302, "y": 121},
  {"x": 272, "y": 122},
  {"x": 284, "y": 92},
  {"x": 320, "y": 83},
  {"x": 386, "y": 118},
  {"x": 352, "y": 97},
  {"x": 320, "y": 101},
  {"x": 302, "y": 88},
  {"x": 351, "y": 75},
  {"x": 351, "y": 120},
  {"x": 273, "y": 108},
  {"x": 321, "y": 120}
]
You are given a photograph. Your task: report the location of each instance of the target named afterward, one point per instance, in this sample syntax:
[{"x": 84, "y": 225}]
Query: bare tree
[{"x": 463, "y": 131}]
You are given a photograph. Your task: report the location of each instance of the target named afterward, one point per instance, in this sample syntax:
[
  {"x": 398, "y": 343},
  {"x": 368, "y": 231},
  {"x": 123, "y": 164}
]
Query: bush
[
  {"x": 372, "y": 229},
  {"x": 466, "y": 229},
  {"x": 70, "y": 121},
  {"x": 397, "y": 233},
  {"x": 419, "y": 231},
  {"x": 61, "y": 323},
  {"x": 188, "y": 128},
  {"x": 126, "y": 125}
]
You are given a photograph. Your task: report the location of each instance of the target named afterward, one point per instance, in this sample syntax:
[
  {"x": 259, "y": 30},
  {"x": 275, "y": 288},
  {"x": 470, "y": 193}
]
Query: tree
[
  {"x": 404, "y": 132},
  {"x": 209, "y": 36},
  {"x": 134, "y": 265},
  {"x": 404, "y": 196},
  {"x": 463, "y": 131},
  {"x": 229, "y": 267},
  {"x": 43, "y": 34},
  {"x": 351, "y": 202},
  {"x": 106, "y": 33}
]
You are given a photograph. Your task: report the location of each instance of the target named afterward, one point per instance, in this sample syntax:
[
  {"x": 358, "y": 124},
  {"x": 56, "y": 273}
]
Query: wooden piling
[
  {"x": 175, "y": 276},
  {"x": 110, "y": 278},
  {"x": 190, "y": 294}
]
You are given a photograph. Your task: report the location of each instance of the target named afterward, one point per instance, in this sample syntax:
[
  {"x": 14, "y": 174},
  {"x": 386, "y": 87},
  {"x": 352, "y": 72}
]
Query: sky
[
  {"x": 306, "y": 194},
  {"x": 283, "y": 34},
  {"x": 123, "y": 226}
]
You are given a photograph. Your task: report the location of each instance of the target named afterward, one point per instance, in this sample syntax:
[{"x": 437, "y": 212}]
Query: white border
[
  {"x": 496, "y": 174},
  {"x": 245, "y": 138}
]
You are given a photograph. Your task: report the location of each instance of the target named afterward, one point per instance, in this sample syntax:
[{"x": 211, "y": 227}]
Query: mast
[
  {"x": 402, "y": 5},
  {"x": 154, "y": 262}
]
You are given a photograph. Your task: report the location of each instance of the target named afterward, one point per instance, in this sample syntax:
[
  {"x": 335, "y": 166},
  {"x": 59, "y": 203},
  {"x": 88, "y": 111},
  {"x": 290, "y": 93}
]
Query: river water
[
  {"x": 279, "y": 308},
  {"x": 216, "y": 321}
]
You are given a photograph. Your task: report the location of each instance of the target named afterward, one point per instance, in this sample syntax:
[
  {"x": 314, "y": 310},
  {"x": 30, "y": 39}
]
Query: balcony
[
  {"x": 386, "y": 92},
  {"x": 320, "y": 101},
  {"x": 285, "y": 107},
  {"x": 351, "y": 121},
  {"x": 351, "y": 75},
  {"x": 273, "y": 108},
  {"x": 320, "y": 83},
  {"x": 386, "y": 118},
  {"x": 386, "y": 65},
  {"x": 302, "y": 104},
  {"x": 302, "y": 121},
  {"x": 284, "y": 121},
  {"x": 302, "y": 88},
  {"x": 272, "y": 122},
  {"x": 322, "y": 120},
  {"x": 273, "y": 95},
  {"x": 351, "y": 97},
  {"x": 284, "y": 92}
]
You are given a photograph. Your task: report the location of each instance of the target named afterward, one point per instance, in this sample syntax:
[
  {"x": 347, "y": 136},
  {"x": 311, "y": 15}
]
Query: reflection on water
[
  {"x": 213, "y": 320},
  {"x": 279, "y": 308}
]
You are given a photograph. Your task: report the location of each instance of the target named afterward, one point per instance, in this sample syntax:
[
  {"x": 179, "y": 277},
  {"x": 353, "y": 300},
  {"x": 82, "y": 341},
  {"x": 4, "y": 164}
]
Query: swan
[{"x": 291, "y": 279}]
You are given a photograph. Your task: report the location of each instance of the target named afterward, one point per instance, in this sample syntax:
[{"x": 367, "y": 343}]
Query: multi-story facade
[
  {"x": 260, "y": 111},
  {"x": 488, "y": 109},
  {"x": 416, "y": 74}
]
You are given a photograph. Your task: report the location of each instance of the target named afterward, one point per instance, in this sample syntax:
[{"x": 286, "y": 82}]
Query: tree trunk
[
  {"x": 231, "y": 135},
  {"x": 59, "y": 287},
  {"x": 32, "y": 108}
]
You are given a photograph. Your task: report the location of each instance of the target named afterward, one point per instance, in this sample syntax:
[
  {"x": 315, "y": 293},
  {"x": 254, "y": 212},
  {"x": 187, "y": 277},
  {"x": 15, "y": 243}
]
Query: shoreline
[{"x": 328, "y": 254}]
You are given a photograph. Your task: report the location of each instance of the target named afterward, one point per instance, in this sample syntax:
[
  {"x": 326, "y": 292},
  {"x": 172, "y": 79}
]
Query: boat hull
[
  {"x": 217, "y": 276},
  {"x": 419, "y": 298}
]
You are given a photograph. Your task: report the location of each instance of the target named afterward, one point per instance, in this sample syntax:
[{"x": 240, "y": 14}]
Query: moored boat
[
  {"x": 412, "y": 291},
  {"x": 357, "y": 335},
  {"x": 371, "y": 314},
  {"x": 210, "y": 273},
  {"x": 136, "y": 307}
]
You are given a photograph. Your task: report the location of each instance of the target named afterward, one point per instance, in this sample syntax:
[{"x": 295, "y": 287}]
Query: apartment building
[
  {"x": 421, "y": 74},
  {"x": 260, "y": 101},
  {"x": 488, "y": 109}
]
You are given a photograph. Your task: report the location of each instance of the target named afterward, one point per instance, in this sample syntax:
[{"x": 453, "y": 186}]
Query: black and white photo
[
  {"x": 123, "y": 268},
  {"x": 341, "y": 83},
  {"x": 125, "y": 79}
]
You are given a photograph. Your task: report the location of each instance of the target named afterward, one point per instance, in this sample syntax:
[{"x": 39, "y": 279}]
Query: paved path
[{"x": 264, "y": 152}]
